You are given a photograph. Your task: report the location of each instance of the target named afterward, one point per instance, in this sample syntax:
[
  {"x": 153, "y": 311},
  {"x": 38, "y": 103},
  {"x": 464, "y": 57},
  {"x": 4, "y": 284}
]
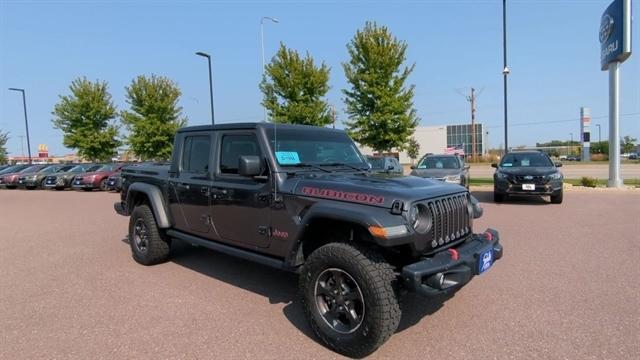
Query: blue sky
[{"x": 553, "y": 56}]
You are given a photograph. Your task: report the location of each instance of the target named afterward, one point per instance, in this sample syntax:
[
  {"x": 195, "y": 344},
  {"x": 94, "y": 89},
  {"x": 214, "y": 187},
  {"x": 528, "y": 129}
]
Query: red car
[
  {"x": 96, "y": 177},
  {"x": 10, "y": 181}
]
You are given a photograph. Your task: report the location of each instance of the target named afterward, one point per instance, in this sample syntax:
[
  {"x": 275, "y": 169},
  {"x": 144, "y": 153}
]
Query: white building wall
[{"x": 432, "y": 139}]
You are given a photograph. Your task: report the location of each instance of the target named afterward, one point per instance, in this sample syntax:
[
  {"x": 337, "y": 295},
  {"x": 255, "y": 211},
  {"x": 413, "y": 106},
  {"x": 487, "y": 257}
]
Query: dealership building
[{"x": 437, "y": 139}]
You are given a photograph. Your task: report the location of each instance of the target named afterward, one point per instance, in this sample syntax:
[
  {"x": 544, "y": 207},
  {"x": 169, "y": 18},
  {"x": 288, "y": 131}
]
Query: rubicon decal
[{"x": 343, "y": 195}]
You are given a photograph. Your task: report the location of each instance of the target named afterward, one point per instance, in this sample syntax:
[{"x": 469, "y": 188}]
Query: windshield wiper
[
  {"x": 308, "y": 165},
  {"x": 346, "y": 165}
]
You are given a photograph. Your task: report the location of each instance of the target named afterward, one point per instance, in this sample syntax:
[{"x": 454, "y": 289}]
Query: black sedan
[{"x": 527, "y": 173}]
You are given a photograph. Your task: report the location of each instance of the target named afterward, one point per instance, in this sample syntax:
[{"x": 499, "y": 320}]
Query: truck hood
[
  {"x": 369, "y": 189},
  {"x": 435, "y": 173}
]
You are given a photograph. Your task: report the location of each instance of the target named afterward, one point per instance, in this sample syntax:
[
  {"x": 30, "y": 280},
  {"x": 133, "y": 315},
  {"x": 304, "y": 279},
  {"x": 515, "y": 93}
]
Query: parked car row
[{"x": 86, "y": 177}]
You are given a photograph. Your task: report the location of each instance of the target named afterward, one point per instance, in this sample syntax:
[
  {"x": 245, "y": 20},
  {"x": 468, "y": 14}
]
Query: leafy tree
[
  {"x": 85, "y": 118},
  {"x": 413, "y": 149},
  {"x": 628, "y": 144},
  {"x": 379, "y": 105},
  {"x": 601, "y": 147},
  {"x": 294, "y": 87},
  {"x": 155, "y": 116},
  {"x": 4, "y": 137}
]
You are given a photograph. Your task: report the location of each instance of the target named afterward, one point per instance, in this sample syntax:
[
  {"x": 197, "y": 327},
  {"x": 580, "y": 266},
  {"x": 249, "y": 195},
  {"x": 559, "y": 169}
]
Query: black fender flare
[
  {"x": 370, "y": 216},
  {"x": 156, "y": 201}
]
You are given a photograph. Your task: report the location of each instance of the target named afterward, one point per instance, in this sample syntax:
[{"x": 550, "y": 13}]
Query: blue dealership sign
[{"x": 615, "y": 33}]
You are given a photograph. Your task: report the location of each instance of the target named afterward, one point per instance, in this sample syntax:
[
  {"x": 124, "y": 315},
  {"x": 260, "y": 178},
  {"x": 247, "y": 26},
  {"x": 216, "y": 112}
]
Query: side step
[{"x": 231, "y": 250}]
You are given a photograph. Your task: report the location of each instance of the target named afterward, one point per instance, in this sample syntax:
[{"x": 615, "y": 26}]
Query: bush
[{"x": 589, "y": 182}]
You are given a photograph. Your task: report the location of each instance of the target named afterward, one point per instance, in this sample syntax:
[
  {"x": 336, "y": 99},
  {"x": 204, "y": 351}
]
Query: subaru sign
[{"x": 615, "y": 33}]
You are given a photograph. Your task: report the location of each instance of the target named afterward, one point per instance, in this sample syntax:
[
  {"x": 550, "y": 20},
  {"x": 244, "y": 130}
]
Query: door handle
[
  {"x": 182, "y": 185},
  {"x": 219, "y": 191}
]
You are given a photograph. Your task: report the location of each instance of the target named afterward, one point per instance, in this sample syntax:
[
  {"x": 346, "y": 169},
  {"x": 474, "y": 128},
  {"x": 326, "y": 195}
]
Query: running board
[{"x": 230, "y": 250}]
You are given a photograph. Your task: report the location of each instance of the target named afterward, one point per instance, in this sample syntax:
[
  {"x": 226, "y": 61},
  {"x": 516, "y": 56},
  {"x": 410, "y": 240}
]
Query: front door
[
  {"x": 191, "y": 186},
  {"x": 240, "y": 205}
]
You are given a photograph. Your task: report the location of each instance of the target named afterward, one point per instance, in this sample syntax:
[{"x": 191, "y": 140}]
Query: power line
[{"x": 559, "y": 121}]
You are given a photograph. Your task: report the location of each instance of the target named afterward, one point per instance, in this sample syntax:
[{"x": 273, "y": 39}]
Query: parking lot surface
[{"x": 567, "y": 288}]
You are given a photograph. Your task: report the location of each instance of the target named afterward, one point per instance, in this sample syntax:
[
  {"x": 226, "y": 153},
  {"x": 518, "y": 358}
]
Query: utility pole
[{"x": 472, "y": 99}]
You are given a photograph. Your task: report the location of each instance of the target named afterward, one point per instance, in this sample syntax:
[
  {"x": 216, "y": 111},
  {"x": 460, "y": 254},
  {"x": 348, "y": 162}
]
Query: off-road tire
[
  {"x": 158, "y": 245},
  {"x": 556, "y": 199},
  {"x": 376, "y": 280},
  {"x": 498, "y": 197}
]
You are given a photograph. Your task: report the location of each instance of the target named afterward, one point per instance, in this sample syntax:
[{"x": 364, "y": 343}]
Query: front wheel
[
  {"x": 149, "y": 246},
  {"x": 103, "y": 185},
  {"x": 497, "y": 197},
  {"x": 557, "y": 198},
  {"x": 349, "y": 298}
]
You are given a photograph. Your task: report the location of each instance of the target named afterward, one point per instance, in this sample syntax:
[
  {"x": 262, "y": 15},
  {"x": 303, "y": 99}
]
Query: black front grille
[
  {"x": 450, "y": 219},
  {"x": 529, "y": 179}
]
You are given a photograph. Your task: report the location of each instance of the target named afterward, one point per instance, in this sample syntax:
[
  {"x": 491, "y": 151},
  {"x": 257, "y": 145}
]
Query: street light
[
  {"x": 26, "y": 123},
  {"x": 200, "y": 53},
  {"x": 505, "y": 69},
  {"x": 262, "y": 48},
  {"x": 570, "y": 143}
]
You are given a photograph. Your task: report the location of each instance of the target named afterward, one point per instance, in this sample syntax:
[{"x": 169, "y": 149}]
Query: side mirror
[
  {"x": 413, "y": 167},
  {"x": 390, "y": 167},
  {"x": 249, "y": 165},
  {"x": 558, "y": 164},
  {"x": 467, "y": 166},
  {"x": 494, "y": 165}
]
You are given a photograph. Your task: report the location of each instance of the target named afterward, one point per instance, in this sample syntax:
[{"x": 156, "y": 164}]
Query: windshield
[
  {"x": 376, "y": 162},
  {"x": 10, "y": 169},
  {"x": 31, "y": 169},
  {"x": 439, "y": 162},
  {"x": 319, "y": 148},
  {"x": 526, "y": 160},
  {"x": 65, "y": 168},
  {"x": 96, "y": 168}
]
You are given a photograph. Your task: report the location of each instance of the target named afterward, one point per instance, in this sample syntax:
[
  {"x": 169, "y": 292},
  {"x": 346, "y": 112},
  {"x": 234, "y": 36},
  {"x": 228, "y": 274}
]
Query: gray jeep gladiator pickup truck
[{"x": 302, "y": 199}]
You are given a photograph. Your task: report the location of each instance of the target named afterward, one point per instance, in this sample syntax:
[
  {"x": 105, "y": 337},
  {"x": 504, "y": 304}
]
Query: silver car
[{"x": 447, "y": 168}]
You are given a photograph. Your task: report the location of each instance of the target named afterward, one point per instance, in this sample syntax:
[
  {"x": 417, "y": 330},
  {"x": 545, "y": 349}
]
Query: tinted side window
[
  {"x": 195, "y": 156},
  {"x": 234, "y": 146}
]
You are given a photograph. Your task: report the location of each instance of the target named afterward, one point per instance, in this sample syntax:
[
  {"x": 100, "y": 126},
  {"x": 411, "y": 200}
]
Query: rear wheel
[
  {"x": 349, "y": 298},
  {"x": 149, "y": 245}
]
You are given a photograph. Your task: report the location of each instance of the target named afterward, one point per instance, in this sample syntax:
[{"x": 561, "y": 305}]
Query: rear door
[
  {"x": 240, "y": 205},
  {"x": 189, "y": 187}
]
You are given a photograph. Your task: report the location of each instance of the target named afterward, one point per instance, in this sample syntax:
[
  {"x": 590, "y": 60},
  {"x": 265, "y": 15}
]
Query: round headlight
[{"x": 419, "y": 218}]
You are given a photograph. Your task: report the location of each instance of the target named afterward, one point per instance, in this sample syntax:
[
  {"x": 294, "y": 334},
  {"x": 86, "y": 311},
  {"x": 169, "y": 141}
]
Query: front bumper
[
  {"x": 506, "y": 187},
  {"x": 455, "y": 266},
  {"x": 82, "y": 185}
]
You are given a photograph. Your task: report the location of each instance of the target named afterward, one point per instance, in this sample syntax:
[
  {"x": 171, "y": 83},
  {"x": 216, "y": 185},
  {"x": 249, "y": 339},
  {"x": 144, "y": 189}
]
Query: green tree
[
  {"x": 379, "y": 105},
  {"x": 294, "y": 88},
  {"x": 628, "y": 144},
  {"x": 601, "y": 147},
  {"x": 85, "y": 117},
  {"x": 4, "y": 137},
  {"x": 154, "y": 118},
  {"x": 413, "y": 149}
]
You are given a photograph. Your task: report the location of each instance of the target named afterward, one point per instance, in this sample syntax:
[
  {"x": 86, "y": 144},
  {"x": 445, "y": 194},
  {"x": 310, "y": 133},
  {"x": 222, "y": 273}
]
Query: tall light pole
[
  {"x": 505, "y": 70},
  {"x": 599, "y": 139},
  {"x": 570, "y": 143},
  {"x": 262, "y": 49},
  {"x": 26, "y": 122},
  {"x": 200, "y": 53}
]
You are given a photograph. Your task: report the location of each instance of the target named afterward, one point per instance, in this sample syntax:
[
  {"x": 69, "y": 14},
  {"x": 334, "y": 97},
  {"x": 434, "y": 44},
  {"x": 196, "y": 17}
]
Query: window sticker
[
  {"x": 507, "y": 165},
  {"x": 287, "y": 157},
  {"x": 524, "y": 162}
]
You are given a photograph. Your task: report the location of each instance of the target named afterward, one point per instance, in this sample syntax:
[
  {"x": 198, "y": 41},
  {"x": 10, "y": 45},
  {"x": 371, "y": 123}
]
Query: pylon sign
[
  {"x": 585, "y": 133},
  {"x": 43, "y": 151},
  {"x": 615, "y": 33}
]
